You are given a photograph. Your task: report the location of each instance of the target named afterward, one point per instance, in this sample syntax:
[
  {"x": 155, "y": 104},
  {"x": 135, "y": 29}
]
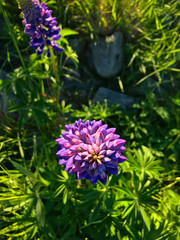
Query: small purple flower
[
  {"x": 40, "y": 25},
  {"x": 90, "y": 150}
]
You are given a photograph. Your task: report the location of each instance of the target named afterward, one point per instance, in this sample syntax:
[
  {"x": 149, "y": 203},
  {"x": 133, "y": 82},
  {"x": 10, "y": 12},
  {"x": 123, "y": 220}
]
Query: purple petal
[
  {"x": 103, "y": 180},
  {"x": 111, "y": 130},
  {"x": 69, "y": 163},
  {"x": 90, "y": 150},
  {"x": 109, "y": 152},
  {"x": 113, "y": 171},
  {"x": 122, "y": 159},
  {"x": 106, "y": 159},
  {"x": 95, "y": 127},
  {"x": 56, "y": 37},
  {"x": 78, "y": 158},
  {"x": 81, "y": 175},
  {"x": 62, "y": 162}
]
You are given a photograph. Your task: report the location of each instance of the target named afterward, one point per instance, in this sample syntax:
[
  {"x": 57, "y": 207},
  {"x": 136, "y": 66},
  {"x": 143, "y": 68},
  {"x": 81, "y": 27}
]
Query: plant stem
[
  {"x": 173, "y": 142},
  {"x": 57, "y": 88}
]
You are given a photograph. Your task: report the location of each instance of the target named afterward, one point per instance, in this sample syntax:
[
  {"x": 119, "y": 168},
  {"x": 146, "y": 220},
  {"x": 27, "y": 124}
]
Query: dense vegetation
[{"x": 38, "y": 199}]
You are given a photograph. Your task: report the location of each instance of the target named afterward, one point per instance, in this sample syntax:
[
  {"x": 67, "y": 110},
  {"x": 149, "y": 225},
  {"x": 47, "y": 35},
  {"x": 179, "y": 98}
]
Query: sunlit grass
[{"x": 38, "y": 199}]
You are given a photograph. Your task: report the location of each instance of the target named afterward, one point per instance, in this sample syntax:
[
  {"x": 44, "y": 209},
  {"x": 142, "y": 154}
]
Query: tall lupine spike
[
  {"x": 91, "y": 155},
  {"x": 40, "y": 25}
]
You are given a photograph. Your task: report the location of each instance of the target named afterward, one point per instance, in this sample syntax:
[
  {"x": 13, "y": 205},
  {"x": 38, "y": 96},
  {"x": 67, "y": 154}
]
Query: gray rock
[
  {"x": 76, "y": 92},
  {"x": 106, "y": 55},
  {"x": 113, "y": 97}
]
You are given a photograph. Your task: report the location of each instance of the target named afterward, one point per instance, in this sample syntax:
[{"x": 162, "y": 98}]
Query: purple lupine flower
[
  {"x": 40, "y": 25},
  {"x": 90, "y": 150}
]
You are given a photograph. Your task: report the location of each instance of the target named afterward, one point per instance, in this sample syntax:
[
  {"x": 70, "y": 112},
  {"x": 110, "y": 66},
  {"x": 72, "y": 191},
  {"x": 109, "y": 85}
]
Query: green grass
[{"x": 38, "y": 199}]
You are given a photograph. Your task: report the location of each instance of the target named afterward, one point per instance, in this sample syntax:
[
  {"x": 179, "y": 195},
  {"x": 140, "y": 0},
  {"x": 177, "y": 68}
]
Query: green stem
[
  {"x": 12, "y": 35},
  {"x": 56, "y": 74},
  {"x": 173, "y": 142}
]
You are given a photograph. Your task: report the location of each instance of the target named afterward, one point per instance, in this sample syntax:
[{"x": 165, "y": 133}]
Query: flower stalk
[
  {"x": 57, "y": 87},
  {"x": 40, "y": 25}
]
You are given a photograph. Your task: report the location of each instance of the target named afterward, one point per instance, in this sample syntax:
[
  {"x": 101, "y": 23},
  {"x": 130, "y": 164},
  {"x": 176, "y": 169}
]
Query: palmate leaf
[
  {"x": 139, "y": 198},
  {"x": 23, "y": 170},
  {"x": 144, "y": 163},
  {"x": 63, "y": 179},
  {"x": 97, "y": 111},
  {"x": 155, "y": 233},
  {"x": 90, "y": 197},
  {"x": 170, "y": 208}
]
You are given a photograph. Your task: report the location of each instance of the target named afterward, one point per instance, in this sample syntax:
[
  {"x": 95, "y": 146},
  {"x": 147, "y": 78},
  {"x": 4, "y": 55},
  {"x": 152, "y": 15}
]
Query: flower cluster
[
  {"x": 90, "y": 150},
  {"x": 40, "y": 25}
]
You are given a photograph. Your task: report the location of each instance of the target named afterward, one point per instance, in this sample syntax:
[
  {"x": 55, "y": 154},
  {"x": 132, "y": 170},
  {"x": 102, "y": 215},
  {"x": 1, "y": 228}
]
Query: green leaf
[
  {"x": 40, "y": 213},
  {"x": 65, "y": 195},
  {"x": 176, "y": 101},
  {"x": 59, "y": 190},
  {"x": 128, "y": 210},
  {"x": 163, "y": 113},
  {"x": 23, "y": 169},
  {"x": 95, "y": 211},
  {"x": 64, "y": 173},
  {"x": 44, "y": 181},
  {"x": 68, "y": 32},
  {"x": 15, "y": 227},
  {"x": 145, "y": 217}
]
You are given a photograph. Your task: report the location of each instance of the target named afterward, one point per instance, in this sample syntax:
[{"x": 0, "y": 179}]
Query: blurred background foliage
[{"x": 38, "y": 200}]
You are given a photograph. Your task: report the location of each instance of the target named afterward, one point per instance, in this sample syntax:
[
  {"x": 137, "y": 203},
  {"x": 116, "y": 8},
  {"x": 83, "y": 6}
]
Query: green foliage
[
  {"x": 38, "y": 199},
  {"x": 96, "y": 111},
  {"x": 138, "y": 203},
  {"x": 150, "y": 28},
  {"x": 155, "y": 50}
]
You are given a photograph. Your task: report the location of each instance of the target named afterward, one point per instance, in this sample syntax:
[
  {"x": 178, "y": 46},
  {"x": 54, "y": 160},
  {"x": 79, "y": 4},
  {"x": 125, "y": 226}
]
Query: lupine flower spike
[
  {"x": 90, "y": 150},
  {"x": 40, "y": 25}
]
